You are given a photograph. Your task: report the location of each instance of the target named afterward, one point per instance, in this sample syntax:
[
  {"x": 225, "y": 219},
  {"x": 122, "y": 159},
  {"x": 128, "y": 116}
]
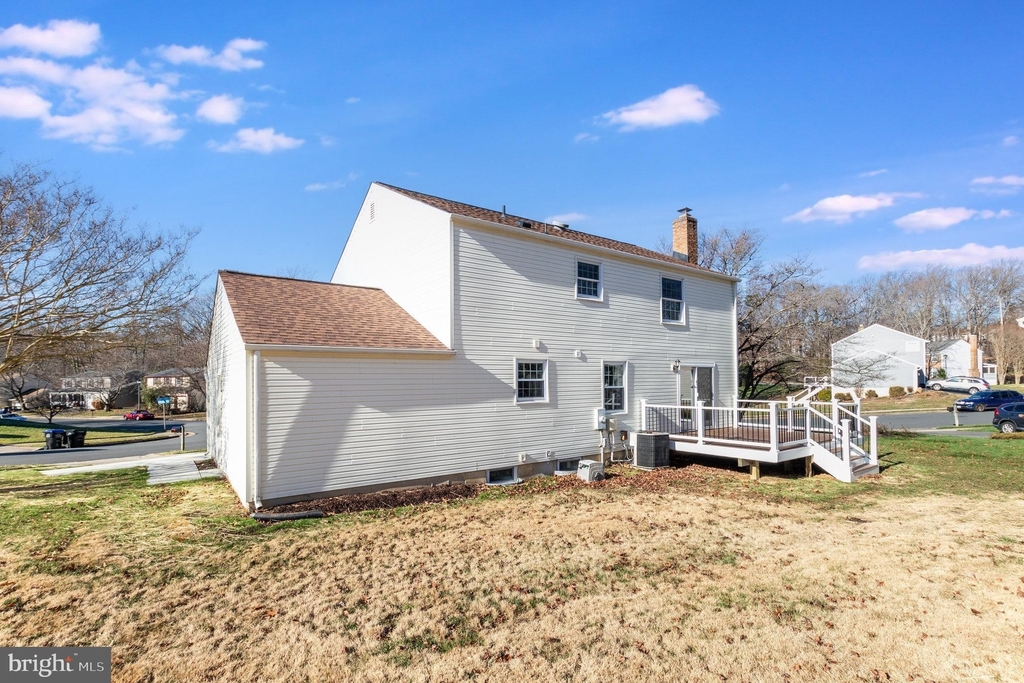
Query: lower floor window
[
  {"x": 568, "y": 465},
  {"x": 503, "y": 476},
  {"x": 615, "y": 386},
  {"x": 531, "y": 381}
]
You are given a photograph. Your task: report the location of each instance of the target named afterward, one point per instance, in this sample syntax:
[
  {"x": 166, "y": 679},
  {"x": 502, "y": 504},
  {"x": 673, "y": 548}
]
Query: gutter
[
  {"x": 561, "y": 241},
  {"x": 349, "y": 349}
]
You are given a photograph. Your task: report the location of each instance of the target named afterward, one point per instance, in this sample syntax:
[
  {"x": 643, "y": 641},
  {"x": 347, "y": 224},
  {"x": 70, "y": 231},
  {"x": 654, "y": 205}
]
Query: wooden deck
[{"x": 756, "y": 438}]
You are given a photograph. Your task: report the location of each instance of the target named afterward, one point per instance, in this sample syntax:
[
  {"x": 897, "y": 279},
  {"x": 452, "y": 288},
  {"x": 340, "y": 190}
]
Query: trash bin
[
  {"x": 54, "y": 438},
  {"x": 76, "y": 438}
]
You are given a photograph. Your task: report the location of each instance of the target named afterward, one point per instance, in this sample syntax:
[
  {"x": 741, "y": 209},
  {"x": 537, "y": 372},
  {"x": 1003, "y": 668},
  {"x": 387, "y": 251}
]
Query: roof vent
[
  {"x": 524, "y": 224},
  {"x": 560, "y": 225}
]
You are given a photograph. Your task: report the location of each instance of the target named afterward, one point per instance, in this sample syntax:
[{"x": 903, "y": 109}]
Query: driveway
[{"x": 195, "y": 438}]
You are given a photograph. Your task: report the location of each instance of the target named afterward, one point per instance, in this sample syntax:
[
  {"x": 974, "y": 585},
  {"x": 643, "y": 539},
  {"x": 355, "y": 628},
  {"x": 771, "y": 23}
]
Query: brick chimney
[
  {"x": 684, "y": 236},
  {"x": 973, "y": 341}
]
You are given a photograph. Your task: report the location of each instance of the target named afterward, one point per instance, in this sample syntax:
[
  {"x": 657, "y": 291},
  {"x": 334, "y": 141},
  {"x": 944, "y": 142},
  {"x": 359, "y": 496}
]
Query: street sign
[{"x": 163, "y": 400}]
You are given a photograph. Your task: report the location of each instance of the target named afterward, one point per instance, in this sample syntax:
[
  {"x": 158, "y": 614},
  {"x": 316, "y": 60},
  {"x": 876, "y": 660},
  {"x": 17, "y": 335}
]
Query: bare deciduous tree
[{"x": 74, "y": 273}]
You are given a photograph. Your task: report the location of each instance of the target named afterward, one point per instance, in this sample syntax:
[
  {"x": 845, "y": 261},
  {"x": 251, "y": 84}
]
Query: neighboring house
[
  {"x": 877, "y": 358},
  {"x": 17, "y": 386},
  {"x": 457, "y": 343},
  {"x": 953, "y": 356},
  {"x": 178, "y": 383},
  {"x": 92, "y": 389}
]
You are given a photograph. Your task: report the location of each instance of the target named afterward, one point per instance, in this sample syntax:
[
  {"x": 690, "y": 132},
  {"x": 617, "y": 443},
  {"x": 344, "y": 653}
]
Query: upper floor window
[
  {"x": 671, "y": 300},
  {"x": 588, "y": 280},
  {"x": 615, "y": 386},
  {"x": 531, "y": 381}
]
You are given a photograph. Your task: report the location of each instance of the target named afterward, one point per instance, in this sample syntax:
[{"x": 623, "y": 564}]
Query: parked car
[
  {"x": 139, "y": 415},
  {"x": 12, "y": 416},
  {"x": 1009, "y": 418},
  {"x": 971, "y": 385},
  {"x": 984, "y": 400}
]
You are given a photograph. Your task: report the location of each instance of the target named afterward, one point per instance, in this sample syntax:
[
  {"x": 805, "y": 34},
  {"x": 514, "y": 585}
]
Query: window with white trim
[
  {"x": 531, "y": 381},
  {"x": 614, "y": 387},
  {"x": 588, "y": 280},
  {"x": 671, "y": 300}
]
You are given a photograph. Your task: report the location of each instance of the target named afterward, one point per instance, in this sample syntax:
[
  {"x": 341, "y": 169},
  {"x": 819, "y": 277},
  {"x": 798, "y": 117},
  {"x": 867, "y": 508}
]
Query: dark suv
[
  {"x": 1009, "y": 418},
  {"x": 990, "y": 398}
]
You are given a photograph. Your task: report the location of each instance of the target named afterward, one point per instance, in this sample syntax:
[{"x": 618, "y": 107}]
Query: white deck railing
[{"x": 771, "y": 425}]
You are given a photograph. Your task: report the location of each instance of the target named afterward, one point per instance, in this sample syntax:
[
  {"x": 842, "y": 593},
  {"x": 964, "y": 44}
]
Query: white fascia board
[
  {"x": 349, "y": 350},
  {"x": 459, "y": 219}
]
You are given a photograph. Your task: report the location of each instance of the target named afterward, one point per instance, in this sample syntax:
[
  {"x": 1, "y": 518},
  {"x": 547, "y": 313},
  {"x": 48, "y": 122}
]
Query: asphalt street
[
  {"x": 195, "y": 438},
  {"x": 932, "y": 420}
]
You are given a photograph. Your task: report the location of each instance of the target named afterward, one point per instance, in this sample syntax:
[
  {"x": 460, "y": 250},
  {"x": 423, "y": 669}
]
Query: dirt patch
[{"x": 384, "y": 500}]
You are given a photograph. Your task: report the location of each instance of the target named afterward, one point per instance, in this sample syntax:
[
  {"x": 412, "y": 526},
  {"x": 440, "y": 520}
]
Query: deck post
[
  {"x": 809, "y": 465},
  {"x": 874, "y": 439},
  {"x": 643, "y": 415},
  {"x": 835, "y": 420},
  {"x": 698, "y": 415},
  {"x": 755, "y": 470},
  {"x": 773, "y": 425},
  {"x": 789, "y": 413},
  {"x": 846, "y": 440},
  {"x": 735, "y": 411}
]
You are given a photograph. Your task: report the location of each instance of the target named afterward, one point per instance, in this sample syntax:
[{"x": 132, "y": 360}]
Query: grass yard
[
  {"x": 689, "y": 574},
  {"x": 15, "y": 433},
  {"x": 921, "y": 400}
]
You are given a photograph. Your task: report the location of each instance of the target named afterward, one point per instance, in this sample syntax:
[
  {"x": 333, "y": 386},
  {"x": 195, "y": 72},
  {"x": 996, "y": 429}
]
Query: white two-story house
[{"x": 457, "y": 343}]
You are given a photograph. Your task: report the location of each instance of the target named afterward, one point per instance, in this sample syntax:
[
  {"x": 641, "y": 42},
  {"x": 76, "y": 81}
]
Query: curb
[{"x": 94, "y": 444}]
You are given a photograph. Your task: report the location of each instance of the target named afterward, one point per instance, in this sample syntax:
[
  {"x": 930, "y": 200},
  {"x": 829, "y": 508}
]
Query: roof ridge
[
  {"x": 294, "y": 279},
  {"x": 472, "y": 206}
]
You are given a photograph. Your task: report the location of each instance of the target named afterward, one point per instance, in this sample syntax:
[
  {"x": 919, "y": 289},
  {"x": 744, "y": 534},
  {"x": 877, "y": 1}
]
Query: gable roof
[
  {"x": 175, "y": 372},
  {"x": 284, "y": 311},
  {"x": 881, "y": 326},
  {"x": 540, "y": 227}
]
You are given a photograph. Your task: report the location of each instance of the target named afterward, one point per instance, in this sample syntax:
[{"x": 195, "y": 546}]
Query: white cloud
[
  {"x": 231, "y": 58},
  {"x": 221, "y": 109},
  {"x": 22, "y": 103},
  {"x": 684, "y": 104},
  {"x": 843, "y": 208},
  {"x": 872, "y": 174},
  {"x": 328, "y": 140},
  {"x": 332, "y": 185},
  {"x": 967, "y": 255},
  {"x": 351, "y": 100},
  {"x": 264, "y": 141},
  {"x": 99, "y": 105},
  {"x": 570, "y": 218},
  {"x": 60, "y": 38},
  {"x": 586, "y": 137},
  {"x": 935, "y": 219},
  {"x": 1007, "y": 184},
  {"x": 1010, "y": 140}
]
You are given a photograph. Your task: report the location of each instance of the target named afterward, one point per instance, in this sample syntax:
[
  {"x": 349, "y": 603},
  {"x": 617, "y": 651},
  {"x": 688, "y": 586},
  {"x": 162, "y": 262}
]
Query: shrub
[
  {"x": 823, "y": 395},
  {"x": 844, "y": 397},
  {"x": 871, "y": 393},
  {"x": 941, "y": 374},
  {"x": 896, "y": 392}
]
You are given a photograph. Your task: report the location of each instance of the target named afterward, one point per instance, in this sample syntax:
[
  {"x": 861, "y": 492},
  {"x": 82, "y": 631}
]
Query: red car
[{"x": 139, "y": 415}]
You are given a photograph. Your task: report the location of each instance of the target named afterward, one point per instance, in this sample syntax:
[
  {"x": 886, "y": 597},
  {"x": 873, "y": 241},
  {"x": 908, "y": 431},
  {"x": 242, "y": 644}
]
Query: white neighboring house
[
  {"x": 456, "y": 343},
  {"x": 953, "y": 356},
  {"x": 876, "y": 358}
]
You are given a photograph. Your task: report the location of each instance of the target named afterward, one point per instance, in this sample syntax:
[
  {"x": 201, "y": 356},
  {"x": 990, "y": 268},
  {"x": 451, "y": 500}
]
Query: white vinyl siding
[{"x": 227, "y": 436}]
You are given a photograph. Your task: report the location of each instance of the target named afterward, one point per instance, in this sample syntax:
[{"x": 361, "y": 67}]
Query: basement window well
[
  {"x": 567, "y": 466},
  {"x": 502, "y": 476}
]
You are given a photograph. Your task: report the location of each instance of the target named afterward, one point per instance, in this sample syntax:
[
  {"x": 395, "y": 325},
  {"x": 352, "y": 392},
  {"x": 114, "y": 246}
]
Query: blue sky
[{"x": 865, "y": 135}]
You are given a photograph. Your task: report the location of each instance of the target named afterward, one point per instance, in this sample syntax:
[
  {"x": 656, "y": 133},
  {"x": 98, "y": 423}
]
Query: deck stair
[
  {"x": 832, "y": 434},
  {"x": 812, "y": 385}
]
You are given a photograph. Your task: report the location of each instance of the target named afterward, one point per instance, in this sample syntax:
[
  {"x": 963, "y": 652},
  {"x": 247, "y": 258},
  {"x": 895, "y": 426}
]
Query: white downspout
[{"x": 257, "y": 503}]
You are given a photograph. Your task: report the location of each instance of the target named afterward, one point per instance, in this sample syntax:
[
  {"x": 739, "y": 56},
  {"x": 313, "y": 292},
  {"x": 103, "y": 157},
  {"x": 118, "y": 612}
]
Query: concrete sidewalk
[{"x": 165, "y": 469}]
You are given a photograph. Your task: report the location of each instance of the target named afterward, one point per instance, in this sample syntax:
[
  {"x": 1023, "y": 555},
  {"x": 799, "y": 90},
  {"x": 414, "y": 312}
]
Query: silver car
[{"x": 970, "y": 385}]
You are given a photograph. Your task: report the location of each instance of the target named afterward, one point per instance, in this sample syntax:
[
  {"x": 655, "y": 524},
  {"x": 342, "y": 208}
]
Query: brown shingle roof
[
  {"x": 470, "y": 211},
  {"x": 288, "y": 312}
]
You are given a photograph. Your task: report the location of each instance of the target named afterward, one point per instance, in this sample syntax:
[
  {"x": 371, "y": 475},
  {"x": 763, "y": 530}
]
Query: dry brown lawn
[{"x": 691, "y": 575}]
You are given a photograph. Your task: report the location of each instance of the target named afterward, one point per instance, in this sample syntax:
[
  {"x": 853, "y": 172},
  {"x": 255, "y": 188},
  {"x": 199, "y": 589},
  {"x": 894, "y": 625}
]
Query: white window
[
  {"x": 614, "y": 387},
  {"x": 568, "y": 465},
  {"x": 672, "y": 300},
  {"x": 531, "y": 381},
  {"x": 503, "y": 476},
  {"x": 588, "y": 280}
]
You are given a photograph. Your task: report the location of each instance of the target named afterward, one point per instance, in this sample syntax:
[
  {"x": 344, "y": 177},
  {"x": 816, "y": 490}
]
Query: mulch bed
[{"x": 619, "y": 477}]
